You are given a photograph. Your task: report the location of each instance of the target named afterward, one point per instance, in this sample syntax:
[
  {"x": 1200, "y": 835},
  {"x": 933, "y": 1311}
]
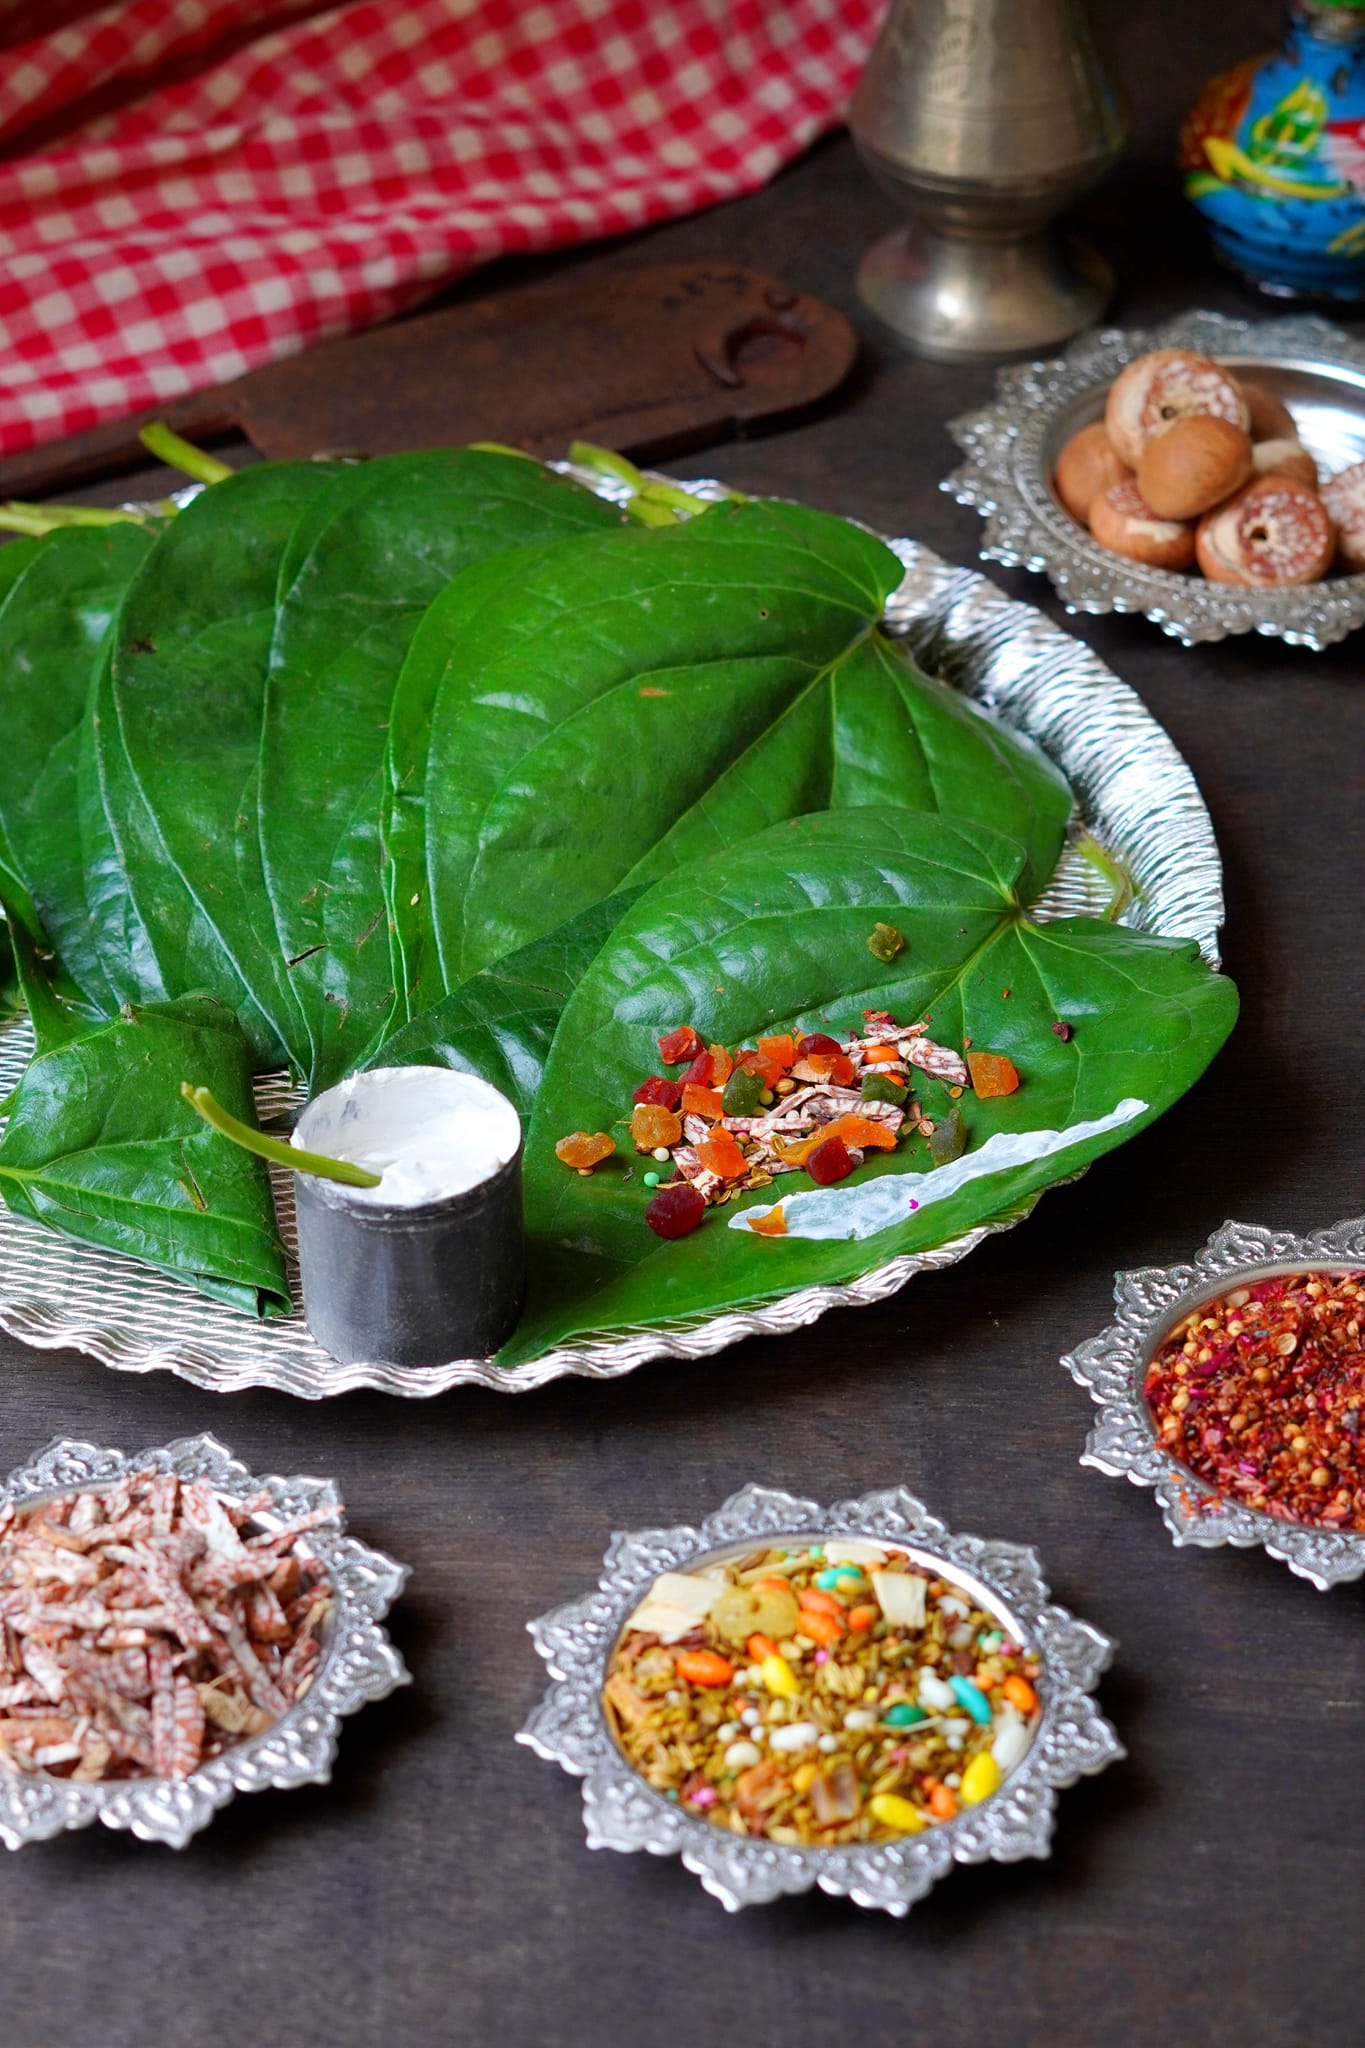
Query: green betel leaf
[
  {"x": 631, "y": 701},
  {"x": 55, "y": 623},
  {"x": 359, "y": 572},
  {"x": 178, "y": 743},
  {"x": 100, "y": 1145},
  {"x": 773, "y": 935},
  {"x": 501, "y": 1023}
]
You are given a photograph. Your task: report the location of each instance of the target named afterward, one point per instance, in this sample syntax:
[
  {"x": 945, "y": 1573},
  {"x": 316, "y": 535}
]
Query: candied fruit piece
[
  {"x": 830, "y": 1161},
  {"x": 768, "y": 1071},
  {"x": 781, "y": 1051},
  {"x": 651, "y": 1125},
  {"x": 835, "y": 1067},
  {"x": 743, "y": 1093},
  {"x": 675, "y": 1211},
  {"x": 720, "y": 1154},
  {"x": 862, "y": 1131},
  {"x": 885, "y": 942},
  {"x": 880, "y": 1056},
  {"x": 881, "y": 1088},
  {"x": 702, "y": 1071},
  {"x": 585, "y": 1149},
  {"x": 677, "y": 1046},
  {"x": 992, "y": 1074},
  {"x": 948, "y": 1139},
  {"x": 722, "y": 1066},
  {"x": 667, "y": 1094},
  {"x": 816, "y": 1041},
  {"x": 771, "y": 1224},
  {"x": 702, "y": 1102}
]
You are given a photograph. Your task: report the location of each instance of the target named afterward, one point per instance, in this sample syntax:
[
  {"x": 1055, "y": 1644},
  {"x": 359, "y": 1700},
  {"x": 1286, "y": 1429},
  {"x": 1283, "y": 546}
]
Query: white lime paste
[
  {"x": 429, "y": 1133},
  {"x": 877, "y": 1205}
]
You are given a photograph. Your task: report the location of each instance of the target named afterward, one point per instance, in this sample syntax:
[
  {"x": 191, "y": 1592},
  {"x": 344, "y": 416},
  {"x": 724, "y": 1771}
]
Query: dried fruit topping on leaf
[
  {"x": 584, "y": 1150},
  {"x": 992, "y": 1074}
]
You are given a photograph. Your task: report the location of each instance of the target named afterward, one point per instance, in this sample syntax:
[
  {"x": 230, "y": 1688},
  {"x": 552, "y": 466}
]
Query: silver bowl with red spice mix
[
  {"x": 174, "y": 1630},
  {"x": 1235, "y": 1386},
  {"x": 791, "y": 1696}
]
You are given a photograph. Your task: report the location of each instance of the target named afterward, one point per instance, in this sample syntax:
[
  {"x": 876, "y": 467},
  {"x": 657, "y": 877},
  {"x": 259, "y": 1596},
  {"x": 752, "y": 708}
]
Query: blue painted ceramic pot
[{"x": 1273, "y": 156}]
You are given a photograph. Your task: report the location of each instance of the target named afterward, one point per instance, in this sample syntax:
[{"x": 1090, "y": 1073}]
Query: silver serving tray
[
  {"x": 1134, "y": 794},
  {"x": 1124, "y": 1443},
  {"x": 621, "y": 1811},
  {"x": 359, "y": 1663},
  {"x": 1012, "y": 447}
]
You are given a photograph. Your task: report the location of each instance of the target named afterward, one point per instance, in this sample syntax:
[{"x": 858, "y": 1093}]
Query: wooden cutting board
[{"x": 649, "y": 361}]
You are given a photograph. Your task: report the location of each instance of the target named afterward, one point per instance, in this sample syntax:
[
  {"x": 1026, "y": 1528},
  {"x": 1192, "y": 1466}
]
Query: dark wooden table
[{"x": 1209, "y": 1889}]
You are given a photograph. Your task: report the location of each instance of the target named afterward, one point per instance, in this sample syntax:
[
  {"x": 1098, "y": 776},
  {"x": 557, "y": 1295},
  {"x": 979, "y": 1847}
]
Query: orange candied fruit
[
  {"x": 768, "y": 1070},
  {"x": 992, "y": 1074},
  {"x": 651, "y": 1125},
  {"x": 781, "y": 1051},
  {"x": 722, "y": 1066},
  {"x": 583, "y": 1149},
  {"x": 699, "y": 1101},
  {"x": 831, "y": 1066},
  {"x": 773, "y": 1224},
  {"x": 720, "y": 1154}
]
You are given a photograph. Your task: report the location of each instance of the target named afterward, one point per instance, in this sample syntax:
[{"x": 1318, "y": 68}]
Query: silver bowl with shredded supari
[
  {"x": 82, "y": 1736},
  {"x": 621, "y": 1810}
]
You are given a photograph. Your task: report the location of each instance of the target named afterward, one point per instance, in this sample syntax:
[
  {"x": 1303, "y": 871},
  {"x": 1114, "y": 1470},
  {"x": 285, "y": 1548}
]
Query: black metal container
[{"x": 413, "y": 1284}]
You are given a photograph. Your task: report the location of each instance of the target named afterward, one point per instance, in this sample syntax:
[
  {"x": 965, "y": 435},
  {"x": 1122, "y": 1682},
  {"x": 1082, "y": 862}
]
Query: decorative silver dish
[
  {"x": 1150, "y": 1302},
  {"x": 620, "y": 1811},
  {"x": 358, "y": 1661},
  {"x": 1012, "y": 447},
  {"x": 1135, "y": 797}
]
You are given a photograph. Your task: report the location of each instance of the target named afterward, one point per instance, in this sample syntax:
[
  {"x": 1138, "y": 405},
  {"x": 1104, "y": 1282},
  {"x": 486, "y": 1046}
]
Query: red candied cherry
[
  {"x": 675, "y": 1211},
  {"x": 830, "y": 1162},
  {"x": 666, "y": 1094},
  {"x": 816, "y": 1041}
]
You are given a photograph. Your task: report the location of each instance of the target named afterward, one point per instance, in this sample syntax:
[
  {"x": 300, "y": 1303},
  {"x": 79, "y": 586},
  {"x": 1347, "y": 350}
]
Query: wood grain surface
[{"x": 1208, "y": 1890}]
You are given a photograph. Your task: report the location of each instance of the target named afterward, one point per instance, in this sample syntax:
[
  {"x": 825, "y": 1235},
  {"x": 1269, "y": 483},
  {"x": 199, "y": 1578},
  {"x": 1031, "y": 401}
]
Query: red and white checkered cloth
[{"x": 192, "y": 187}]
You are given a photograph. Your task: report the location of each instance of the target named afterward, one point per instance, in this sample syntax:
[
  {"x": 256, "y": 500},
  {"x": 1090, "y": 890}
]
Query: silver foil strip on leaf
[
  {"x": 358, "y": 1664},
  {"x": 1149, "y": 1303},
  {"x": 621, "y": 1811}
]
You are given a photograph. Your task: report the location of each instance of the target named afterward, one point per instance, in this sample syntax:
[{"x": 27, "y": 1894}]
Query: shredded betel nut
[
  {"x": 832, "y": 1693},
  {"x": 150, "y": 1625}
]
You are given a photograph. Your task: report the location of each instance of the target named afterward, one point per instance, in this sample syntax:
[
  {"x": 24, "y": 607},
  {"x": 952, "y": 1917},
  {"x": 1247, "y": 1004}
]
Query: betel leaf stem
[
  {"x": 652, "y": 502},
  {"x": 317, "y": 1163},
  {"x": 38, "y": 520},
  {"x": 158, "y": 439},
  {"x": 1117, "y": 876}
]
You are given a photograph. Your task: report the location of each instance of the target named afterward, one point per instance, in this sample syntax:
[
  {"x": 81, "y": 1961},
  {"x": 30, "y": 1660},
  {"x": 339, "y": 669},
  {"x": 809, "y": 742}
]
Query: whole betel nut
[
  {"x": 1270, "y": 417},
  {"x": 1086, "y": 466},
  {"x": 1344, "y": 497},
  {"x": 1273, "y": 533},
  {"x": 1123, "y": 521},
  {"x": 1285, "y": 458},
  {"x": 1158, "y": 389},
  {"x": 1198, "y": 463}
]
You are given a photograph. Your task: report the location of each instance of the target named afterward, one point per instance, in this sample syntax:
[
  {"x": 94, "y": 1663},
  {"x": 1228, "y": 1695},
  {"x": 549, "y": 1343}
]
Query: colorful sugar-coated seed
[
  {"x": 904, "y": 1714},
  {"x": 972, "y": 1698},
  {"x": 779, "y": 1677},
  {"x": 980, "y": 1779},
  {"x": 894, "y": 1812}
]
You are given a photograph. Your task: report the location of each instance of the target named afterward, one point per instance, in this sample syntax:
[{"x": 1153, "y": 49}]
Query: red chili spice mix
[{"x": 1261, "y": 1393}]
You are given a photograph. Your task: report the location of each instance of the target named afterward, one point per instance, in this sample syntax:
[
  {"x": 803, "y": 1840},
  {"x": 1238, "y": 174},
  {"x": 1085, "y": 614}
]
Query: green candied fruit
[
  {"x": 879, "y": 1088},
  {"x": 948, "y": 1140},
  {"x": 743, "y": 1093},
  {"x": 886, "y": 941}
]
